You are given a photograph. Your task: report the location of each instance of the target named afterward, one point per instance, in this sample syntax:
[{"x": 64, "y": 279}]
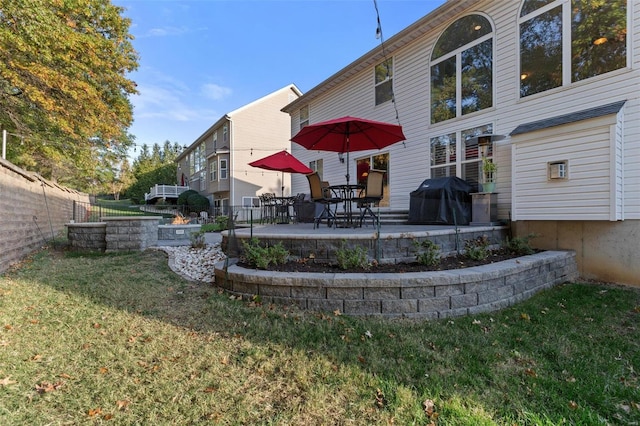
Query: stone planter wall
[
  {"x": 87, "y": 236},
  {"x": 130, "y": 233},
  {"x": 388, "y": 248},
  {"x": 121, "y": 233},
  {"x": 425, "y": 295}
]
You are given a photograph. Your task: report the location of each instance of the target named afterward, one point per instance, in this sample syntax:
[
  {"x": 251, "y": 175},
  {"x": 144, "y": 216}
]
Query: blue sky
[{"x": 201, "y": 59}]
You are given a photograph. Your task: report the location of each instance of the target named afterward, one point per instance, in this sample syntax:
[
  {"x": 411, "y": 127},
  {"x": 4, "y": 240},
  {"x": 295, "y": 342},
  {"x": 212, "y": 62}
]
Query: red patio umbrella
[
  {"x": 283, "y": 162},
  {"x": 347, "y": 134}
]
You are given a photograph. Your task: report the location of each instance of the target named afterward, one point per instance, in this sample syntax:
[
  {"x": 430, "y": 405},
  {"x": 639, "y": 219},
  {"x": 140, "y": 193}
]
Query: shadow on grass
[{"x": 548, "y": 360}]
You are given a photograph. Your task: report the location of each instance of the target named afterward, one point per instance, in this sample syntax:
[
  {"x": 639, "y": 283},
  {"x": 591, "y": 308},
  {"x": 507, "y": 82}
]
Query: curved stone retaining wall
[
  {"x": 387, "y": 247},
  {"x": 426, "y": 295}
]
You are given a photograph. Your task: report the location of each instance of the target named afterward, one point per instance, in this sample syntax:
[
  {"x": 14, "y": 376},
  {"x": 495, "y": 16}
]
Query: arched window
[
  {"x": 564, "y": 41},
  {"x": 462, "y": 69}
]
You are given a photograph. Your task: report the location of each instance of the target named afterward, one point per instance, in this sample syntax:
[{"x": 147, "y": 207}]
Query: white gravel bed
[{"x": 195, "y": 264}]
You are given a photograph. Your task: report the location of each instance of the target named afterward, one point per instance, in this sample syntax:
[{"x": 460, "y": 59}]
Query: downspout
[{"x": 232, "y": 166}]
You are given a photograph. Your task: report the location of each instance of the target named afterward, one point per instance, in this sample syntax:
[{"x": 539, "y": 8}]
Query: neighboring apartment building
[
  {"x": 557, "y": 80},
  {"x": 216, "y": 164}
]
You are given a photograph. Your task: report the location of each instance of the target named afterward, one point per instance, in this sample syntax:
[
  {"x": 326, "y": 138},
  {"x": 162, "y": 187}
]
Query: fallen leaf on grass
[
  {"x": 45, "y": 387},
  {"x": 530, "y": 372},
  {"x": 362, "y": 359},
  {"x": 94, "y": 412},
  {"x": 7, "y": 381},
  {"x": 380, "y": 399},
  {"x": 103, "y": 370},
  {"x": 430, "y": 409},
  {"x": 573, "y": 405},
  {"x": 525, "y": 316},
  {"x": 122, "y": 404}
]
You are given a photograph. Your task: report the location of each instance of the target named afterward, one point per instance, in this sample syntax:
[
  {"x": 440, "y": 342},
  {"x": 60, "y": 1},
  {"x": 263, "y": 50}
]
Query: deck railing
[{"x": 165, "y": 191}]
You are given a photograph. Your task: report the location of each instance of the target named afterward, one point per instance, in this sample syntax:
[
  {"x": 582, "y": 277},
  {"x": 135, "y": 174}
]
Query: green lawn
[{"x": 120, "y": 339}]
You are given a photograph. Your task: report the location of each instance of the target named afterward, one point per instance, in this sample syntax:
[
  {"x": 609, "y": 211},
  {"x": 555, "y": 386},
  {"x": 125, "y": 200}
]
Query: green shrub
[
  {"x": 257, "y": 256},
  {"x": 222, "y": 222},
  {"x": 351, "y": 257},
  {"x": 197, "y": 239},
  {"x": 197, "y": 203},
  {"x": 209, "y": 227},
  {"x": 182, "y": 198},
  {"x": 477, "y": 249},
  {"x": 427, "y": 252},
  {"x": 520, "y": 245}
]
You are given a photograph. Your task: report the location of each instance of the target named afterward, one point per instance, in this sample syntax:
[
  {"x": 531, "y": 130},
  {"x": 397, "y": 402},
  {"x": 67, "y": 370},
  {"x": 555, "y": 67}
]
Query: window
[
  {"x": 450, "y": 158},
  {"x": 213, "y": 171},
  {"x": 225, "y": 133},
  {"x": 192, "y": 164},
  {"x": 565, "y": 41},
  {"x": 384, "y": 81},
  {"x": 224, "y": 168},
  {"x": 304, "y": 116},
  {"x": 215, "y": 142},
  {"x": 203, "y": 179},
  {"x": 379, "y": 162},
  {"x": 250, "y": 202},
  {"x": 316, "y": 166},
  {"x": 462, "y": 69}
]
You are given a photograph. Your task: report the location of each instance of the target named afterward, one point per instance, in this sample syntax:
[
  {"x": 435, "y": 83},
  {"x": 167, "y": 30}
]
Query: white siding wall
[
  {"x": 586, "y": 194},
  {"x": 257, "y": 130},
  {"x": 409, "y": 163}
]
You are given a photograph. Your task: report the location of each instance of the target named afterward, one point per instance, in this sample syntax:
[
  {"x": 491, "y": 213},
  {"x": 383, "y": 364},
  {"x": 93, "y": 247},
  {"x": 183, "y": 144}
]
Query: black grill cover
[{"x": 436, "y": 200}]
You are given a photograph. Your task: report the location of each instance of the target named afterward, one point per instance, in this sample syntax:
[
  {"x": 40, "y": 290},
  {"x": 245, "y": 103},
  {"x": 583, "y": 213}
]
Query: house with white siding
[
  {"x": 558, "y": 84},
  {"x": 216, "y": 163}
]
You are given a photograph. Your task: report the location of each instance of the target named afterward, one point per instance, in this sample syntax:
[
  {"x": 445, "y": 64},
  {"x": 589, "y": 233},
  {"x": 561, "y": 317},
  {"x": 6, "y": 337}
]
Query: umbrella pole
[{"x": 348, "y": 163}]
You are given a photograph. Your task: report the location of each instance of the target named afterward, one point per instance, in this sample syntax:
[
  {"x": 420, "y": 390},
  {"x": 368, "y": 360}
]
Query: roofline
[
  {"x": 228, "y": 116},
  {"x": 426, "y": 24}
]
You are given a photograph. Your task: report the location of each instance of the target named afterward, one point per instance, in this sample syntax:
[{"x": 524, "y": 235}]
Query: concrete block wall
[
  {"x": 87, "y": 236},
  {"x": 131, "y": 233},
  {"x": 386, "y": 250},
  {"x": 423, "y": 295},
  {"x": 33, "y": 211}
]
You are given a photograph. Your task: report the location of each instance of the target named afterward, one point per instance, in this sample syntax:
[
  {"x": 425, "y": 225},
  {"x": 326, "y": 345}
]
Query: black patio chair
[
  {"x": 320, "y": 194},
  {"x": 373, "y": 192}
]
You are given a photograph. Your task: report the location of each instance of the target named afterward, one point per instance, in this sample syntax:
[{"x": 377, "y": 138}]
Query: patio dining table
[
  {"x": 348, "y": 193},
  {"x": 283, "y": 206}
]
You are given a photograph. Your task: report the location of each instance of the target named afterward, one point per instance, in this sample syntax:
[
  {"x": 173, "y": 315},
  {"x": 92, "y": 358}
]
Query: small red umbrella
[
  {"x": 282, "y": 162},
  {"x": 348, "y": 134}
]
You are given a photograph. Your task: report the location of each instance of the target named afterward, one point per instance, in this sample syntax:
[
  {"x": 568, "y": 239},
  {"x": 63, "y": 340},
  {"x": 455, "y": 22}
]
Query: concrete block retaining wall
[
  {"x": 87, "y": 236},
  {"x": 34, "y": 212},
  {"x": 116, "y": 233},
  {"x": 129, "y": 233},
  {"x": 389, "y": 248},
  {"x": 425, "y": 295}
]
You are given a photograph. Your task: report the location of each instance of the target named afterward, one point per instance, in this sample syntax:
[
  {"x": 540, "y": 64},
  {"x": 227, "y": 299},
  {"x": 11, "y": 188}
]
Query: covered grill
[{"x": 441, "y": 201}]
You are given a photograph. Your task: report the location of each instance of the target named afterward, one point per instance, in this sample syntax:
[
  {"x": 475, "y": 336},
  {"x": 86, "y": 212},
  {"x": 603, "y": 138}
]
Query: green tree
[
  {"x": 154, "y": 166},
  {"x": 63, "y": 84}
]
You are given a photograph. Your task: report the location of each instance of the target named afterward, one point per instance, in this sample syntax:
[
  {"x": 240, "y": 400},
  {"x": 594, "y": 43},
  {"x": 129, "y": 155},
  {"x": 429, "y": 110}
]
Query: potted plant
[{"x": 489, "y": 172}]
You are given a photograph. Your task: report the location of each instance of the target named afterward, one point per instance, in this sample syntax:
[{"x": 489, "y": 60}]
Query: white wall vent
[{"x": 558, "y": 169}]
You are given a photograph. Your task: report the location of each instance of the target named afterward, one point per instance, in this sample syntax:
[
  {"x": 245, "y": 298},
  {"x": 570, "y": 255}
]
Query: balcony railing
[{"x": 165, "y": 191}]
